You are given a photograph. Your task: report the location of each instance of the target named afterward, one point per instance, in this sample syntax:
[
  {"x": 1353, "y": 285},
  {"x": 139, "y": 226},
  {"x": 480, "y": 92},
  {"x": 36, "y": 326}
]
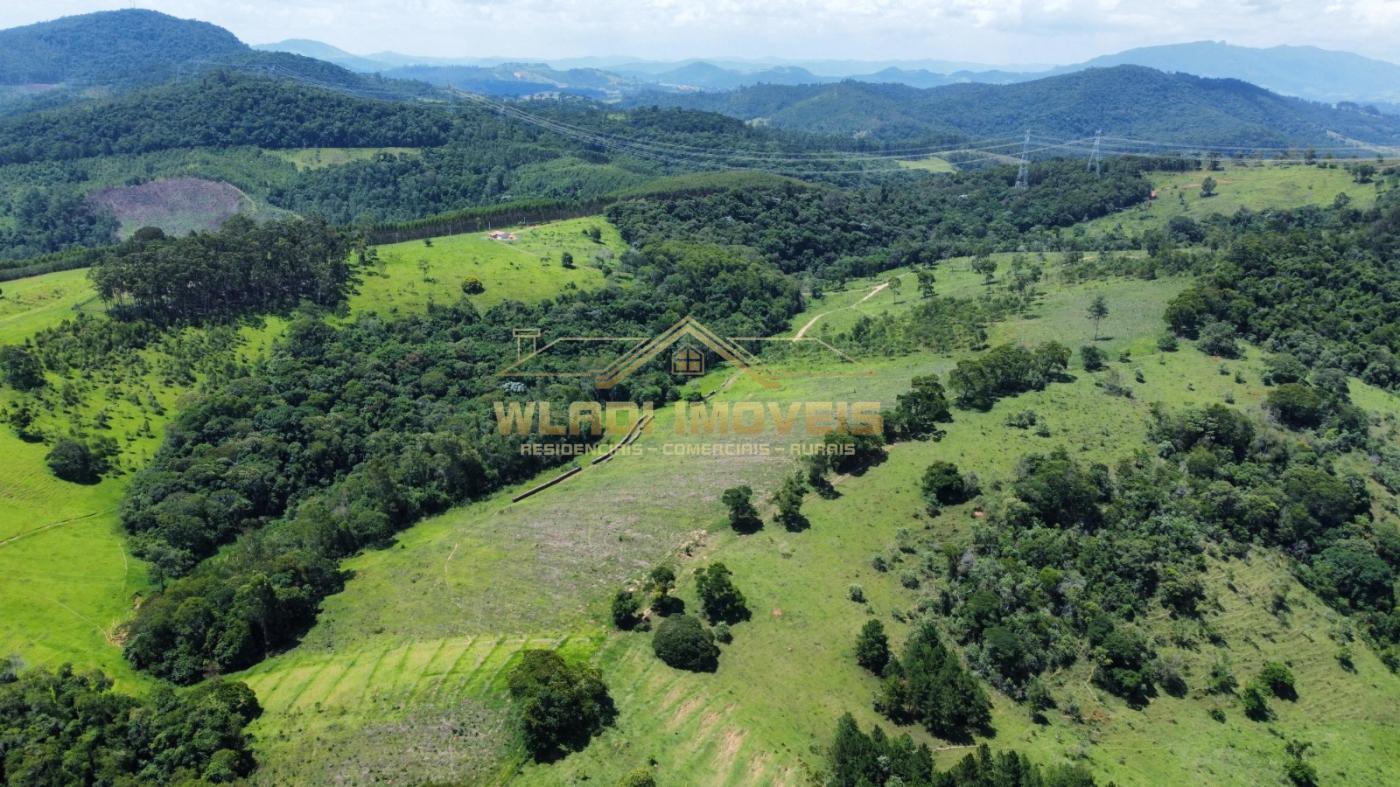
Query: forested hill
[
  {"x": 109, "y": 48},
  {"x": 1123, "y": 101},
  {"x": 220, "y": 109}
]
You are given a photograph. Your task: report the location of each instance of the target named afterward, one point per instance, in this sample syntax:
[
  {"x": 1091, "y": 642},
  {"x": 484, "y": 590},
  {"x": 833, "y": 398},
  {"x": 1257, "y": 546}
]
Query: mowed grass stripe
[
  {"x": 326, "y": 682},
  {"x": 465, "y": 681}
]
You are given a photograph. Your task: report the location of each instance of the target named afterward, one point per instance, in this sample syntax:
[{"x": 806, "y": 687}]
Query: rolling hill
[
  {"x": 1303, "y": 71},
  {"x": 117, "y": 47},
  {"x": 1123, "y": 101}
]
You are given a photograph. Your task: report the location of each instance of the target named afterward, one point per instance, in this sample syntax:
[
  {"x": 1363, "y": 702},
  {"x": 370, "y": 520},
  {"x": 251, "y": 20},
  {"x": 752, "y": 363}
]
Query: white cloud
[{"x": 979, "y": 30}]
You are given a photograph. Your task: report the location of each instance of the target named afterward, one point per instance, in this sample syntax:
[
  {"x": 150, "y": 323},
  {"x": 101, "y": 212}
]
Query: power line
[{"x": 1023, "y": 171}]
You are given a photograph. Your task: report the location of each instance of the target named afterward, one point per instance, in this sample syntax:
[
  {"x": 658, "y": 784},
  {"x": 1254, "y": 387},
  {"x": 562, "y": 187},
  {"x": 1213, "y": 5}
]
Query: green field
[
  {"x": 66, "y": 578},
  {"x": 441, "y": 613},
  {"x": 417, "y": 273},
  {"x": 401, "y": 680},
  {"x": 935, "y": 164},
  {"x": 319, "y": 158},
  {"x": 1257, "y": 186}
]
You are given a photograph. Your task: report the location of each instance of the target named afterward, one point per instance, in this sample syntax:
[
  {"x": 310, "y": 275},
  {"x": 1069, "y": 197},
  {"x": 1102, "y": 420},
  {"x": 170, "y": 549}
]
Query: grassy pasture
[
  {"x": 934, "y": 164},
  {"x": 548, "y": 565},
  {"x": 66, "y": 578},
  {"x": 1256, "y": 186},
  {"x": 525, "y": 269}
]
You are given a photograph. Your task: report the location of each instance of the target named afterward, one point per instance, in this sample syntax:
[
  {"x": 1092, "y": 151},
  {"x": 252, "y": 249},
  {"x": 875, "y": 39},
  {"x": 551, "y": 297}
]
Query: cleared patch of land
[
  {"x": 1256, "y": 186},
  {"x": 179, "y": 206},
  {"x": 414, "y": 274},
  {"x": 319, "y": 158}
]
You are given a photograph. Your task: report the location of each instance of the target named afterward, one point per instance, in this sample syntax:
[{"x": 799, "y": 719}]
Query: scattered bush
[
  {"x": 1091, "y": 357},
  {"x": 560, "y": 706},
  {"x": 873, "y": 647},
  {"x": 944, "y": 485},
  {"x": 682, "y": 642},
  {"x": 719, "y": 599},
  {"x": 743, "y": 517},
  {"x": 73, "y": 461}
]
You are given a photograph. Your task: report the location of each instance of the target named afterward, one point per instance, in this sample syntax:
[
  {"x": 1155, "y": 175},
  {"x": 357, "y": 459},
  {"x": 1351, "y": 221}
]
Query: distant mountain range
[
  {"x": 1305, "y": 72},
  {"x": 115, "y": 51},
  {"x": 1126, "y": 100}
]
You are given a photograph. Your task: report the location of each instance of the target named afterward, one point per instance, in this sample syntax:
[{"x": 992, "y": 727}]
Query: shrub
[
  {"x": 1255, "y": 705},
  {"x": 720, "y": 600},
  {"x": 1167, "y": 343},
  {"x": 73, "y": 461},
  {"x": 625, "y": 607},
  {"x": 944, "y": 485},
  {"x": 856, "y": 593},
  {"x": 560, "y": 706},
  {"x": 1091, "y": 357},
  {"x": 472, "y": 286},
  {"x": 743, "y": 517},
  {"x": 1218, "y": 338},
  {"x": 723, "y": 633},
  {"x": 21, "y": 369},
  {"x": 640, "y": 777},
  {"x": 682, "y": 642},
  {"x": 873, "y": 647},
  {"x": 1279, "y": 679},
  {"x": 1296, "y": 405}
]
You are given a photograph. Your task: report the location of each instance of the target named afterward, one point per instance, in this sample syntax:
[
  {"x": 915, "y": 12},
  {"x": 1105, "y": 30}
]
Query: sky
[{"x": 978, "y": 31}]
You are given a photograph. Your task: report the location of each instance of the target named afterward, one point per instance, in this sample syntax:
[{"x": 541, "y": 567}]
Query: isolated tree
[
  {"x": 20, "y": 368},
  {"x": 561, "y": 706},
  {"x": 925, "y": 281},
  {"x": 566, "y": 259},
  {"x": 625, "y": 609},
  {"x": 873, "y": 647},
  {"x": 743, "y": 517},
  {"x": 943, "y": 485},
  {"x": 472, "y": 286},
  {"x": 788, "y": 500},
  {"x": 719, "y": 599},
  {"x": 662, "y": 580},
  {"x": 1092, "y": 358},
  {"x": 1208, "y": 187},
  {"x": 1098, "y": 310},
  {"x": 918, "y": 412},
  {"x": 73, "y": 461},
  {"x": 424, "y": 266},
  {"x": 682, "y": 642},
  {"x": 986, "y": 266}
]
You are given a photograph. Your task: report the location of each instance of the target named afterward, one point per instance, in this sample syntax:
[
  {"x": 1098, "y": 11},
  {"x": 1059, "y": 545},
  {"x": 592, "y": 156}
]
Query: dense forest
[
  {"x": 899, "y": 221},
  {"x": 66, "y": 727},
  {"x": 243, "y": 268}
]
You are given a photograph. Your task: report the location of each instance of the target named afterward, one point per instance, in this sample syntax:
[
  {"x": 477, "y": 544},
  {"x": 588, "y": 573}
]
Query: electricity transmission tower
[
  {"x": 1095, "y": 164},
  {"x": 1023, "y": 173}
]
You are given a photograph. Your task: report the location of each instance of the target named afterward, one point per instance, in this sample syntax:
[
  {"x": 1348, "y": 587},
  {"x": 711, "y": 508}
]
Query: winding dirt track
[{"x": 813, "y": 321}]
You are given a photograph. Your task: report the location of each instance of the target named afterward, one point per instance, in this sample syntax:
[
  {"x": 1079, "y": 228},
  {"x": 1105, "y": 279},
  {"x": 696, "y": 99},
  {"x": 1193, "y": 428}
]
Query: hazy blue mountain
[
  {"x": 110, "y": 48},
  {"x": 1303, "y": 71},
  {"x": 1127, "y": 101},
  {"x": 517, "y": 79},
  {"x": 322, "y": 51}
]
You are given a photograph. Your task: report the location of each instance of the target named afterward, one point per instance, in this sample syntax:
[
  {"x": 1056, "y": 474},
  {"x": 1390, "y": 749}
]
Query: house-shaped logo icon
[{"x": 688, "y": 362}]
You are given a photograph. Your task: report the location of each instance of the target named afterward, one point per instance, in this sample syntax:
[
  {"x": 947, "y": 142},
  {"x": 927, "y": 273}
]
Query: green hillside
[{"x": 1127, "y": 101}]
